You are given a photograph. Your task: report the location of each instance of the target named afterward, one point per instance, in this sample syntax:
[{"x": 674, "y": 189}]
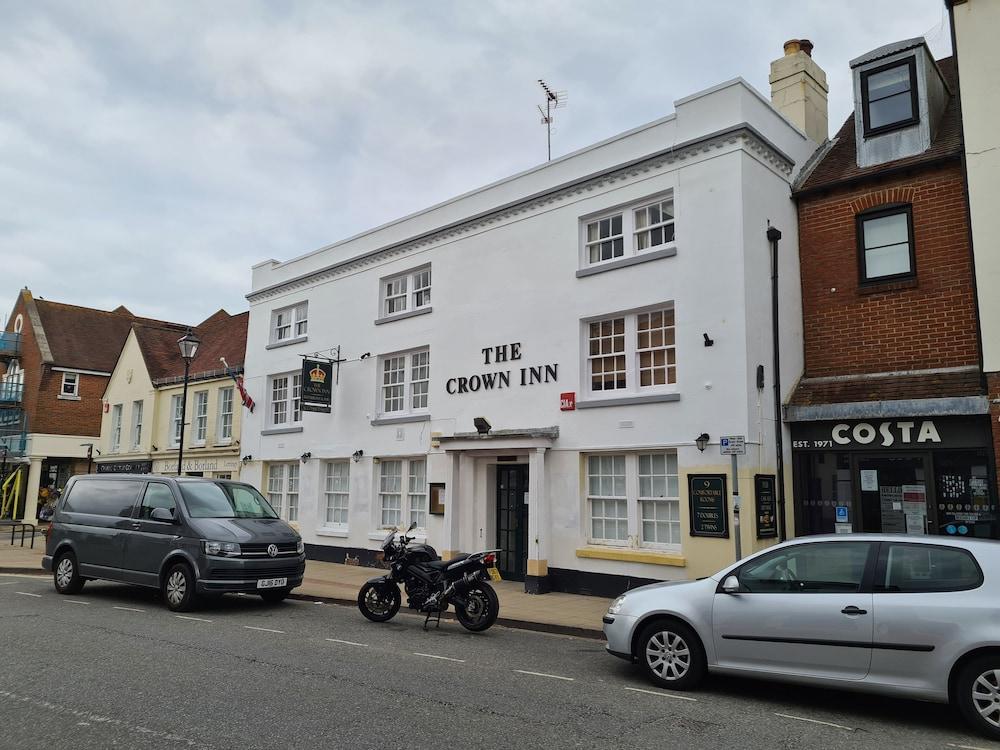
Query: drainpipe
[{"x": 773, "y": 235}]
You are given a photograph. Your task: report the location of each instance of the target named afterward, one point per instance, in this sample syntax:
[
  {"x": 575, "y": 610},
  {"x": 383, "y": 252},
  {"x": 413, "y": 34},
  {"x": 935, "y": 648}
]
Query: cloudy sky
[{"x": 151, "y": 152}]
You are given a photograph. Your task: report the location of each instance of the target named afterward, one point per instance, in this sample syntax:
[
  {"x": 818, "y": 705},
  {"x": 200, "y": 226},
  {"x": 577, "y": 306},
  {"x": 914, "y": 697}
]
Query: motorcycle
[{"x": 431, "y": 584}]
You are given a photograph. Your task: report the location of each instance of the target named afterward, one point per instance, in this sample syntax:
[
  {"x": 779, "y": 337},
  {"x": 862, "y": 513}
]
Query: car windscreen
[{"x": 210, "y": 500}]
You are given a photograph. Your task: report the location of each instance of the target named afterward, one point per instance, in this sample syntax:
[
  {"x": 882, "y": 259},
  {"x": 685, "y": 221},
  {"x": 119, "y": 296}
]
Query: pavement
[
  {"x": 568, "y": 614},
  {"x": 112, "y": 667}
]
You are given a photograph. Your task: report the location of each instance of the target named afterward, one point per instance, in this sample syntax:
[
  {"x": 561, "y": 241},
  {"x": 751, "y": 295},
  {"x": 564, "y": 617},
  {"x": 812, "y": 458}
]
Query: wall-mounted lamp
[
  {"x": 702, "y": 441},
  {"x": 482, "y": 426},
  {"x": 366, "y": 355},
  {"x": 154, "y": 448},
  {"x": 708, "y": 341},
  {"x": 376, "y": 460},
  {"x": 306, "y": 456},
  {"x": 357, "y": 455},
  {"x": 247, "y": 459}
]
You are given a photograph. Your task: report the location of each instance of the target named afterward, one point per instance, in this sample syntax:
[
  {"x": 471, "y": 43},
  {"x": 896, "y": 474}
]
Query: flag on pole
[{"x": 248, "y": 402}]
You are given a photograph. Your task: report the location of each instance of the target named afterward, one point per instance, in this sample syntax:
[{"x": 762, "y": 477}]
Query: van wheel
[
  {"x": 977, "y": 694},
  {"x": 273, "y": 596},
  {"x": 178, "y": 588},
  {"x": 671, "y": 655},
  {"x": 66, "y": 574}
]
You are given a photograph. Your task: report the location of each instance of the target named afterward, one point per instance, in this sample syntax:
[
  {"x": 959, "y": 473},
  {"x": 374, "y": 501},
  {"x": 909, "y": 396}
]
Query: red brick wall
[
  {"x": 909, "y": 325},
  {"x": 46, "y": 412}
]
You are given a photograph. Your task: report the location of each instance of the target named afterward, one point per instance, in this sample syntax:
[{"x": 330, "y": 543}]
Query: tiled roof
[
  {"x": 82, "y": 337},
  {"x": 817, "y": 391},
  {"x": 840, "y": 162},
  {"x": 222, "y": 335}
]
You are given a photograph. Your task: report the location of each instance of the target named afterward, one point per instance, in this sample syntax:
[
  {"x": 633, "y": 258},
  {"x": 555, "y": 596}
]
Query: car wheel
[
  {"x": 178, "y": 588},
  {"x": 66, "y": 574},
  {"x": 672, "y": 655},
  {"x": 977, "y": 693}
]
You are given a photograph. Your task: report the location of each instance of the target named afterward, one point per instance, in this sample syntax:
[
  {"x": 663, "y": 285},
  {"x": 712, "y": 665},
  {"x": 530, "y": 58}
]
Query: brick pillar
[{"x": 993, "y": 389}]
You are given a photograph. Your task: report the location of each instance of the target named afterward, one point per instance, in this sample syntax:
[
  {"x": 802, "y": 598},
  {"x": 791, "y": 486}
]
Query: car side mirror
[
  {"x": 162, "y": 514},
  {"x": 731, "y": 585}
]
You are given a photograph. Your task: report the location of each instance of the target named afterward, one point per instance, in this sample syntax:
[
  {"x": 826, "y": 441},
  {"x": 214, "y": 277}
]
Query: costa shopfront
[{"x": 914, "y": 475}]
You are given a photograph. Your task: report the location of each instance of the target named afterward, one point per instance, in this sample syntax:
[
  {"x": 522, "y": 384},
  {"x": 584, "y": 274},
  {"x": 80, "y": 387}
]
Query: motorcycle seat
[{"x": 444, "y": 564}]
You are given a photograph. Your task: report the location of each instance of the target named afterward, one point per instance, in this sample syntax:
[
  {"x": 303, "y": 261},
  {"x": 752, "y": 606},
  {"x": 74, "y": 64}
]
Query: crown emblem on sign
[{"x": 317, "y": 374}]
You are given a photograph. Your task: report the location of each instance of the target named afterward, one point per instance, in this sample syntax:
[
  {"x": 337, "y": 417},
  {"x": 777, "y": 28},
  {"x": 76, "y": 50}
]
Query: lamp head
[
  {"x": 482, "y": 426},
  {"x": 188, "y": 344},
  {"x": 702, "y": 441}
]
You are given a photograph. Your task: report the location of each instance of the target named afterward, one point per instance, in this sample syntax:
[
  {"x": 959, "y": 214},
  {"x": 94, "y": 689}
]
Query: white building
[{"x": 632, "y": 277}]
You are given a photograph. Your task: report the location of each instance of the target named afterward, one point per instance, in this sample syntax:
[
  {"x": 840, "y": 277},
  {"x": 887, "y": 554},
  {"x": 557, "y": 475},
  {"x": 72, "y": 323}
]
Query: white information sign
[
  {"x": 732, "y": 445},
  {"x": 869, "y": 480}
]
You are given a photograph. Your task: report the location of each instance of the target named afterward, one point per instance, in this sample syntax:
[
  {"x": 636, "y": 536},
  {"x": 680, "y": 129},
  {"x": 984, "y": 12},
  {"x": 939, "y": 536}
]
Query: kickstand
[{"x": 436, "y": 613}]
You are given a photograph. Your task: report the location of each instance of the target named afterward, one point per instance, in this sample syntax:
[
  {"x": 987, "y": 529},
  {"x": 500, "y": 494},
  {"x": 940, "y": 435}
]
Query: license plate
[
  {"x": 272, "y": 583},
  {"x": 494, "y": 573}
]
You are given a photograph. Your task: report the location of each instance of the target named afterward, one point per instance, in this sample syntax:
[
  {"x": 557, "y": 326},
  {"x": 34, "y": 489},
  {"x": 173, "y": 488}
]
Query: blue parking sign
[{"x": 841, "y": 514}]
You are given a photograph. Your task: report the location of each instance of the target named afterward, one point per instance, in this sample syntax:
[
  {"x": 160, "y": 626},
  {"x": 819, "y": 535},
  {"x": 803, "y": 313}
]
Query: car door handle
[
  {"x": 136, "y": 525},
  {"x": 852, "y": 610}
]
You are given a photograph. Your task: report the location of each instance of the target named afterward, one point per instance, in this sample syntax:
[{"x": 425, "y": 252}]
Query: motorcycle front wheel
[
  {"x": 379, "y": 601},
  {"x": 482, "y": 607}
]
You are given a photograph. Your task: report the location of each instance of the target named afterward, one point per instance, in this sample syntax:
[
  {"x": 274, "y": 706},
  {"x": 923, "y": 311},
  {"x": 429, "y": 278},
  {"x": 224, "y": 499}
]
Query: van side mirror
[
  {"x": 731, "y": 585},
  {"x": 163, "y": 515}
]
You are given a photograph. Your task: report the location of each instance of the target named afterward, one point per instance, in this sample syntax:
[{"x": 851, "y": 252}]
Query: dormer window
[{"x": 890, "y": 97}]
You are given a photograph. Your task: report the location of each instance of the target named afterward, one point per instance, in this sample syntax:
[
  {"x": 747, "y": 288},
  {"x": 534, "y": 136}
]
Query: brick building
[
  {"x": 889, "y": 423},
  {"x": 56, "y": 361}
]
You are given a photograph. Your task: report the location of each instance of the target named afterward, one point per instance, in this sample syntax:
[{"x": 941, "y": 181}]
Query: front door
[
  {"x": 802, "y": 610},
  {"x": 149, "y": 542},
  {"x": 512, "y": 520},
  {"x": 894, "y": 494}
]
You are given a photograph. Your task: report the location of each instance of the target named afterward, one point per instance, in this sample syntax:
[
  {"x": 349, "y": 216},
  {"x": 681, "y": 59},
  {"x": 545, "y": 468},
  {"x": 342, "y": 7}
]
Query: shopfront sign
[
  {"x": 125, "y": 467},
  {"x": 317, "y": 386},
  {"x": 489, "y": 380},
  {"x": 193, "y": 465},
  {"x": 767, "y": 506},
  {"x": 708, "y": 501},
  {"x": 895, "y": 434}
]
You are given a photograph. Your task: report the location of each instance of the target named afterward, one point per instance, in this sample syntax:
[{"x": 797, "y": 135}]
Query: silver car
[{"x": 908, "y": 616}]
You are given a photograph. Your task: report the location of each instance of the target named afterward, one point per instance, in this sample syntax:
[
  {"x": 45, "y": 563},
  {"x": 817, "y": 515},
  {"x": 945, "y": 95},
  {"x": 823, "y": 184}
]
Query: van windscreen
[{"x": 210, "y": 500}]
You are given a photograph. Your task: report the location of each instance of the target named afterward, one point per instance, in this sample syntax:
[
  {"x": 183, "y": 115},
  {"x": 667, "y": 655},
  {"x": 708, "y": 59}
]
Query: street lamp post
[{"x": 188, "y": 344}]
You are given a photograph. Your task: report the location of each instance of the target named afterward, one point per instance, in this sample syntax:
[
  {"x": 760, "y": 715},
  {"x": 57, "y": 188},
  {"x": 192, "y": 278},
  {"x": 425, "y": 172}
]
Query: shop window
[{"x": 966, "y": 504}]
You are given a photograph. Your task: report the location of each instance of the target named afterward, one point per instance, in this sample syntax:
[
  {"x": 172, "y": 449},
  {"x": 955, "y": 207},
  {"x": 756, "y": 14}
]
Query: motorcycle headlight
[
  {"x": 222, "y": 549},
  {"x": 300, "y": 547},
  {"x": 617, "y": 605}
]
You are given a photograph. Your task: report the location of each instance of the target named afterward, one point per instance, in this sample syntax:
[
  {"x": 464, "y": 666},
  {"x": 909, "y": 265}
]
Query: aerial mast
[{"x": 553, "y": 100}]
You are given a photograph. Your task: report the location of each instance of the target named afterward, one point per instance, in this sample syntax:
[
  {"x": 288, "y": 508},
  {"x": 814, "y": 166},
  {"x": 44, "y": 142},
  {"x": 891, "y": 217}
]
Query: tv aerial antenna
[{"x": 553, "y": 100}]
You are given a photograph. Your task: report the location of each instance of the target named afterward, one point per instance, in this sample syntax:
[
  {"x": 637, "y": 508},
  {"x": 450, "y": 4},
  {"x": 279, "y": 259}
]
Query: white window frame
[
  {"x": 70, "y": 387},
  {"x": 224, "y": 428},
  {"x": 632, "y": 353},
  {"x": 413, "y": 496},
  {"x": 290, "y": 323},
  {"x": 415, "y": 390},
  {"x": 136, "y": 436},
  {"x": 199, "y": 427},
  {"x": 288, "y": 399},
  {"x": 336, "y": 495},
  {"x": 631, "y": 230},
  {"x": 176, "y": 426},
  {"x": 405, "y": 292},
  {"x": 116, "y": 427},
  {"x": 634, "y": 501},
  {"x": 282, "y": 488}
]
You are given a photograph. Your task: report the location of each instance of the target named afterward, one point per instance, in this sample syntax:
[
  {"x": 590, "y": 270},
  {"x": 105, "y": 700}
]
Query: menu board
[
  {"x": 767, "y": 508},
  {"x": 708, "y": 505}
]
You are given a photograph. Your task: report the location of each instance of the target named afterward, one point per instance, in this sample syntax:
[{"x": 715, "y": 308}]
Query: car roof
[{"x": 947, "y": 541}]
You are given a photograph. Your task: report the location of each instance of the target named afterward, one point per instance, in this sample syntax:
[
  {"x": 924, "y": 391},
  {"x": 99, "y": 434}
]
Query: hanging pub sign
[
  {"x": 708, "y": 505},
  {"x": 317, "y": 385},
  {"x": 767, "y": 506}
]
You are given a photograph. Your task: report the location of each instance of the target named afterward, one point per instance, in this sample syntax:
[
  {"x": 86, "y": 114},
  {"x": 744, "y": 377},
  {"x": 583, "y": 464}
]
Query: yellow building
[{"x": 141, "y": 426}]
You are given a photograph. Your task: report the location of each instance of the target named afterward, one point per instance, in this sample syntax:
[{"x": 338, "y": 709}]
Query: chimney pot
[{"x": 791, "y": 46}]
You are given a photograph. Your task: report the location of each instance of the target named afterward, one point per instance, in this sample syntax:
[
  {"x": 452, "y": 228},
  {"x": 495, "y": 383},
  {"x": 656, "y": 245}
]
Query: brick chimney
[{"x": 798, "y": 89}]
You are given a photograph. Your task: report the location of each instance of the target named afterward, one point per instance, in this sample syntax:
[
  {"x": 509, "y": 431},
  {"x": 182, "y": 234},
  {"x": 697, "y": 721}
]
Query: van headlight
[
  {"x": 300, "y": 547},
  {"x": 617, "y": 605},
  {"x": 222, "y": 549}
]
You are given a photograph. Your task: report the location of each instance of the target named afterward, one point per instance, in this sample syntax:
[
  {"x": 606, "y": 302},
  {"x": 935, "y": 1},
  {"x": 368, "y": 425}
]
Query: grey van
[{"x": 188, "y": 537}]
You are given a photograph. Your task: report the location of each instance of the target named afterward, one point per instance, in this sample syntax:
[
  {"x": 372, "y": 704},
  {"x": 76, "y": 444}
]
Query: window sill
[
  {"x": 281, "y": 430},
  {"x": 644, "y": 257},
  {"x": 652, "y": 398},
  {"x": 401, "y": 316},
  {"x": 339, "y": 533},
  {"x": 401, "y": 419},
  {"x": 287, "y": 342},
  {"x": 888, "y": 286},
  {"x": 224, "y": 444},
  {"x": 673, "y": 559},
  {"x": 68, "y": 398},
  {"x": 378, "y": 536}
]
